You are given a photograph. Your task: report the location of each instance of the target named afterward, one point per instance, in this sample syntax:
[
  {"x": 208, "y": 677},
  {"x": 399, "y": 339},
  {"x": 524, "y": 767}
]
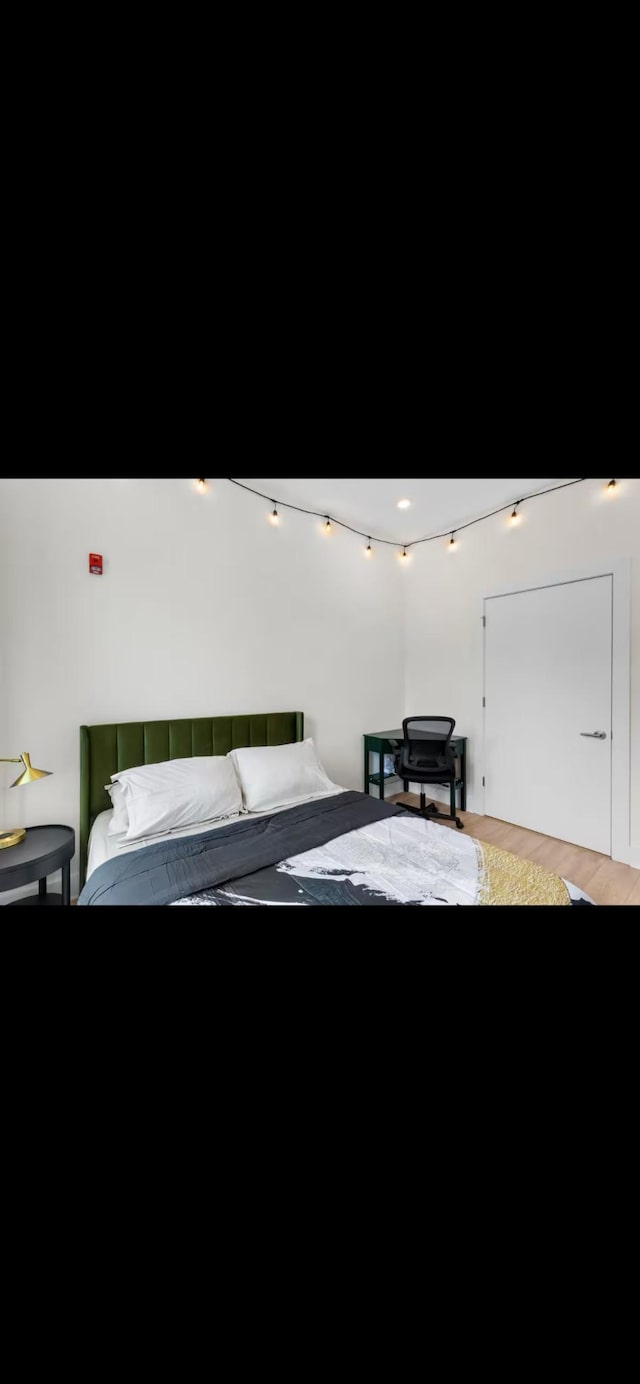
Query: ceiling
[{"x": 371, "y": 505}]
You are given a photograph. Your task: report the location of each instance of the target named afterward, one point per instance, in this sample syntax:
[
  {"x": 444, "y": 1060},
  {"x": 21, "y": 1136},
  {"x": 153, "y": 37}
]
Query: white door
[{"x": 548, "y": 671}]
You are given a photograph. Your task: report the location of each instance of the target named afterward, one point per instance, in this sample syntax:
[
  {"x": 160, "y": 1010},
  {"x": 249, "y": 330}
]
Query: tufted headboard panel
[{"x": 105, "y": 750}]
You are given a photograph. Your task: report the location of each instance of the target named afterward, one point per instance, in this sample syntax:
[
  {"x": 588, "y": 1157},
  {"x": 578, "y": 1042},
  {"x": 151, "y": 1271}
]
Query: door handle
[{"x": 594, "y": 734}]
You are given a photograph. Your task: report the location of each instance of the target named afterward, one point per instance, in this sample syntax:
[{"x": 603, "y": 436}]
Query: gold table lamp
[{"x": 28, "y": 775}]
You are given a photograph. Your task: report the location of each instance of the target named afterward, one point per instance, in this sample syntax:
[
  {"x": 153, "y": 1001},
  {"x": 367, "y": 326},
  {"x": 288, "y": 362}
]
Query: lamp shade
[{"x": 29, "y": 774}]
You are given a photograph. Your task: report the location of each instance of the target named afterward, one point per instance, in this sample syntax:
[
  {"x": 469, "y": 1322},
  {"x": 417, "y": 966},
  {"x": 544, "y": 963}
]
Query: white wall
[
  {"x": 444, "y": 593},
  {"x": 204, "y": 609}
]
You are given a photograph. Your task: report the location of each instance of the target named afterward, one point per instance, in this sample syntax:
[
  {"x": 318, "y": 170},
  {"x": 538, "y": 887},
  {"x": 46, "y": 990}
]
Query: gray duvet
[{"x": 175, "y": 870}]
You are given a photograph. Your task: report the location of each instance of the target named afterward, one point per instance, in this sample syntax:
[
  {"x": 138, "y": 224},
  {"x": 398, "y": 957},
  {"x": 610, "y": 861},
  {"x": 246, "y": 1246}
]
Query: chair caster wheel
[{"x": 459, "y": 824}]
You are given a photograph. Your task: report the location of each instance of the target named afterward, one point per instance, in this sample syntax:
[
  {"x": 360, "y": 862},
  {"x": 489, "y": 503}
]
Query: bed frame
[{"x": 106, "y": 750}]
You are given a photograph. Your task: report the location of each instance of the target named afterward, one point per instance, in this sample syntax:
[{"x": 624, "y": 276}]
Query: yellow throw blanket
[{"x": 506, "y": 879}]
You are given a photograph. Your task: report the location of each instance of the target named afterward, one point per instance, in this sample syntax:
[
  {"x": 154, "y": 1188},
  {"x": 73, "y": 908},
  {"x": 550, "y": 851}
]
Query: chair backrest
[{"x": 427, "y": 740}]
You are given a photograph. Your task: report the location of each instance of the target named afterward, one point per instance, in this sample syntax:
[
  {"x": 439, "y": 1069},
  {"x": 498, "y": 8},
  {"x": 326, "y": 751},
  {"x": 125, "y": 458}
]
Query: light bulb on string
[
  {"x": 404, "y": 553},
  {"x": 327, "y": 527},
  {"x": 452, "y": 543},
  {"x": 275, "y": 517},
  {"x": 202, "y": 485},
  {"x": 611, "y": 488},
  {"x": 515, "y": 517},
  {"x": 368, "y": 552}
]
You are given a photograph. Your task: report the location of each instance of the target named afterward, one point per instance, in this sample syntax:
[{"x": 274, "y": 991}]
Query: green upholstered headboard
[{"x": 105, "y": 750}]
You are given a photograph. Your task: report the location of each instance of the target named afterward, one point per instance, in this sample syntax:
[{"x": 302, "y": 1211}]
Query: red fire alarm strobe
[{"x": 95, "y": 564}]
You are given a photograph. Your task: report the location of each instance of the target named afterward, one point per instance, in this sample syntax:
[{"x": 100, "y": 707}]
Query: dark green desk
[{"x": 384, "y": 742}]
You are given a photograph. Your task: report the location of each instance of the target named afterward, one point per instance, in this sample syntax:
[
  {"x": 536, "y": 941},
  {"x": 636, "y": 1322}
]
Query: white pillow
[
  {"x": 280, "y": 775},
  {"x": 179, "y": 793},
  {"x": 119, "y": 820}
]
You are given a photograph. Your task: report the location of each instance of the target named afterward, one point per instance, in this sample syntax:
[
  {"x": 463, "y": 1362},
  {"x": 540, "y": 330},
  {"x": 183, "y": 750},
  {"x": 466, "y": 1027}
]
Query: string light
[{"x": 415, "y": 542}]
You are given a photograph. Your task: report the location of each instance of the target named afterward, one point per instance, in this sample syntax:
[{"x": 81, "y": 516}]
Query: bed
[{"x": 341, "y": 847}]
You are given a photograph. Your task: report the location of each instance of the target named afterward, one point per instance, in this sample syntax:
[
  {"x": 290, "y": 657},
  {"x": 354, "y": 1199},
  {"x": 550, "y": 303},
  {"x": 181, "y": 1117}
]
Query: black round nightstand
[{"x": 43, "y": 850}]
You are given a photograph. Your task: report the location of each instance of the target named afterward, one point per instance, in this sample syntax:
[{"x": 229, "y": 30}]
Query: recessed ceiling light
[{"x": 404, "y": 504}]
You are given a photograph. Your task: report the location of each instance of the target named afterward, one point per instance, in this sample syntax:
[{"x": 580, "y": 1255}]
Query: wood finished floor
[{"x": 603, "y": 879}]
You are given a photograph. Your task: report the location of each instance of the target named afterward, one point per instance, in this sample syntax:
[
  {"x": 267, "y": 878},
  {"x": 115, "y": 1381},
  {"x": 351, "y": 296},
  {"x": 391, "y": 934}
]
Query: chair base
[{"x": 430, "y": 810}]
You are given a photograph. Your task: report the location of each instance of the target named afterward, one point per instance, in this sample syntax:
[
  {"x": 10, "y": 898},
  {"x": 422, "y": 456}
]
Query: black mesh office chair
[{"x": 427, "y": 757}]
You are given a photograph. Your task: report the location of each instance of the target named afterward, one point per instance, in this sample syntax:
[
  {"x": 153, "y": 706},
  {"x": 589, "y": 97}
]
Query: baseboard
[{"x": 629, "y": 856}]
